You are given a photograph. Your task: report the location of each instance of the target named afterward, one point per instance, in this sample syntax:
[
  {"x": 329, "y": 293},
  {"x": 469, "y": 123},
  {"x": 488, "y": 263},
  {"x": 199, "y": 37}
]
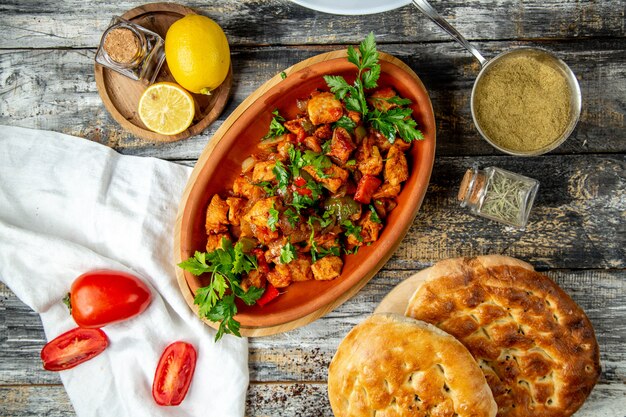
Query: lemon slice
[{"x": 166, "y": 108}]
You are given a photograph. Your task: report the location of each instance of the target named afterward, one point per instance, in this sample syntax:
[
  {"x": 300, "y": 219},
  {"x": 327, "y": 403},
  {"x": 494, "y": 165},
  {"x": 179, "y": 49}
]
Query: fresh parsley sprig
[
  {"x": 395, "y": 121},
  {"x": 366, "y": 60},
  {"x": 276, "y": 126},
  {"x": 227, "y": 265}
]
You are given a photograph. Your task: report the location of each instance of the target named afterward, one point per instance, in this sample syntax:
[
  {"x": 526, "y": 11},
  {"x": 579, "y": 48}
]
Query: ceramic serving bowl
[{"x": 238, "y": 137}]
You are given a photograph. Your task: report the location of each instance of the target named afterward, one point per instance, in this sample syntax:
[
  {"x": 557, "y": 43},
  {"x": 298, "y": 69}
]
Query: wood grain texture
[
  {"x": 577, "y": 230},
  {"x": 264, "y": 400},
  {"x": 30, "y": 24},
  {"x": 62, "y": 95}
]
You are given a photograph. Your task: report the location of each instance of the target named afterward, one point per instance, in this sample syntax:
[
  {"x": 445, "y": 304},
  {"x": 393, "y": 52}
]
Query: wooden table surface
[{"x": 577, "y": 229}]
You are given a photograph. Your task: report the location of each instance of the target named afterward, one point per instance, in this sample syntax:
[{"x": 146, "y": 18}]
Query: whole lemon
[{"x": 197, "y": 53}]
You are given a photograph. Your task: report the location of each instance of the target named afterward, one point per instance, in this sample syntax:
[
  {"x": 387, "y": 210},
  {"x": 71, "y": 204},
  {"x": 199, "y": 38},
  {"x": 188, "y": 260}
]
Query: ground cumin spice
[
  {"x": 522, "y": 103},
  {"x": 122, "y": 45}
]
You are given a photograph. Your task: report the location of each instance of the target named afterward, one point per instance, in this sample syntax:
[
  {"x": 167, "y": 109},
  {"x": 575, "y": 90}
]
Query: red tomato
[
  {"x": 270, "y": 293},
  {"x": 73, "y": 348},
  {"x": 365, "y": 189},
  {"x": 173, "y": 374},
  {"x": 103, "y": 297}
]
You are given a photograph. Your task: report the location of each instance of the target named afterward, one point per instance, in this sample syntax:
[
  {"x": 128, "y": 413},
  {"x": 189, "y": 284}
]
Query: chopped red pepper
[
  {"x": 299, "y": 181},
  {"x": 270, "y": 293},
  {"x": 301, "y": 188},
  {"x": 365, "y": 189}
]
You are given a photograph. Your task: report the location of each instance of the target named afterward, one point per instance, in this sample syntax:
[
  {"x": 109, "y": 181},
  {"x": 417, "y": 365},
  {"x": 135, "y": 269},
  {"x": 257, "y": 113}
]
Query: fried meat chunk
[
  {"x": 236, "y": 207},
  {"x": 217, "y": 215},
  {"x": 324, "y": 108},
  {"x": 280, "y": 277},
  {"x": 263, "y": 171},
  {"x": 341, "y": 145},
  {"x": 242, "y": 187},
  {"x": 396, "y": 167},
  {"x": 387, "y": 190},
  {"x": 214, "y": 241},
  {"x": 368, "y": 158},
  {"x": 254, "y": 278},
  {"x": 327, "y": 268},
  {"x": 334, "y": 177}
]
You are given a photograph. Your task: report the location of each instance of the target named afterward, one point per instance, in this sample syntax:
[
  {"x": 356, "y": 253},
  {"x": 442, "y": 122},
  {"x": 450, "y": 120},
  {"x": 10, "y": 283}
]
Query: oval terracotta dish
[{"x": 237, "y": 138}]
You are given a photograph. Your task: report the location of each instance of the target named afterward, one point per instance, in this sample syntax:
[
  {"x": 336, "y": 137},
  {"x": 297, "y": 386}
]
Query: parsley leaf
[
  {"x": 282, "y": 175},
  {"x": 396, "y": 121},
  {"x": 227, "y": 265},
  {"x": 301, "y": 202},
  {"x": 276, "y": 126},
  {"x": 288, "y": 253},
  {"x": 351, "y": 229},
  {"x": 374, "y": 215},
  {"x": 346, "y": 123},
  {"x": 339, "y": 86},
  {"x": 292, "y": 217},
  {"x": 267, "y": 186},
  {"x": 353, "y": 251},
  {"x": 320, "y": 252},
  {"x": 296, "y": 161},
  {"x": 318, "y": 161},
  {"x": 196, "y": 265},
  {"x": 398, "y": 101},
  {"x": 273, "y": 218}
]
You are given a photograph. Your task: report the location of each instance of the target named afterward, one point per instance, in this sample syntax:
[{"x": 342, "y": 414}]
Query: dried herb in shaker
[{"x": 498, "y": 195}]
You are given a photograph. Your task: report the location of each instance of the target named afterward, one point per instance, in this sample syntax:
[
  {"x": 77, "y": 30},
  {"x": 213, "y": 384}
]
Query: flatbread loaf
[
  {"x": 390, "y": 365},
  {"x": 535, "y": 346}
]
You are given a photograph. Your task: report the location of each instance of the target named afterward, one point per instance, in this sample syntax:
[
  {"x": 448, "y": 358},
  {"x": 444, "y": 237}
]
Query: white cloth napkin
[{"x": 67, "y": 206}]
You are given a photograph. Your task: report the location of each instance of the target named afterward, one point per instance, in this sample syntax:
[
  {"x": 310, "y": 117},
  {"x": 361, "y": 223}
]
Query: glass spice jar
[
  {"x": 498, "y": 195},
  {"x": 131, "y": 50}
]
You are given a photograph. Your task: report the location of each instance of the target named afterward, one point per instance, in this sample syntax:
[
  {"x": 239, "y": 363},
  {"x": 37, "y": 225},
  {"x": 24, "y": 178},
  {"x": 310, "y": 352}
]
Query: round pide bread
[
  {"x": 535, "y": 346},
  {"x": 394, "y": 366}
]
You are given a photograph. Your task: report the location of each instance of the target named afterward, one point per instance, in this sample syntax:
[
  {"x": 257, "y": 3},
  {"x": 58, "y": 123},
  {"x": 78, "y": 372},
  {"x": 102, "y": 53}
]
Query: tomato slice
[
  {"x": 174, "y": 373},
  {"x": 73, "y": 348},
  {"x": 102, "y": 297}
]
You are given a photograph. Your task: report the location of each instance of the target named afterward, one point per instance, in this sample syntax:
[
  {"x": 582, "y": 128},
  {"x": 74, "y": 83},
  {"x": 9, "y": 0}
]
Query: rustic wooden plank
[
  {"x": 312, "y": 400},
  {"x": 35, "y": 401},
  {"x": 61, "y": 95},
  {"x": 284, "y": 399},
  {"x": 78, "y": 24},
  {"x": 304, "y": 354}
]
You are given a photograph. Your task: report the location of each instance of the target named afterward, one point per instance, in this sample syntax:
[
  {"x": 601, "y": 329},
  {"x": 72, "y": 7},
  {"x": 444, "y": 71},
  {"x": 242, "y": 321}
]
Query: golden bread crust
[
  {"x": 536, "y": 347},
  {"x": 397, "y": 366}
]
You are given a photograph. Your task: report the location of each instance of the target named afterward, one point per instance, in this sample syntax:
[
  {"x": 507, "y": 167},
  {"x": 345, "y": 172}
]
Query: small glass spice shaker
[
  {"x": 131, "y": 50},
  {"x": 498, "y": 195}
]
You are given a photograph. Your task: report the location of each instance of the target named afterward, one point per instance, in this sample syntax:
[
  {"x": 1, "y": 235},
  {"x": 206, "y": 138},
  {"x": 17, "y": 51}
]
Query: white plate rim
[{"x": 364, "y": 6}]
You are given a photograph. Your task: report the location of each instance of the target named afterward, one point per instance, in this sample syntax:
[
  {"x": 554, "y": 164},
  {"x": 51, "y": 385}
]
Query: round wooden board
[
  {"x": 398, "y": 298},
  {"x": 188, "y": 293},
  {"x": 121, "y": 94}
]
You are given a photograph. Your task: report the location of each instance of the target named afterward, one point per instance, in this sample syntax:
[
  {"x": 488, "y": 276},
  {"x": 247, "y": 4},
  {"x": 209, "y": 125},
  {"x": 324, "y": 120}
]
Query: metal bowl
[{"x": 575, "y": 97}]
